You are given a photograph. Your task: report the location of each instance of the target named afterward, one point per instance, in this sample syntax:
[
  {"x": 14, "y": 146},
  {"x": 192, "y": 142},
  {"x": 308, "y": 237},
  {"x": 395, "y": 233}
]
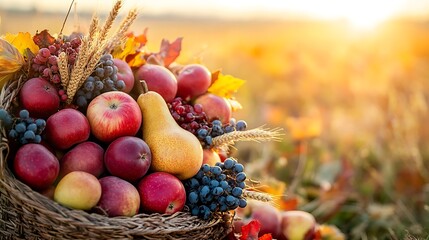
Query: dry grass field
[{"x": 356, "y": 100}]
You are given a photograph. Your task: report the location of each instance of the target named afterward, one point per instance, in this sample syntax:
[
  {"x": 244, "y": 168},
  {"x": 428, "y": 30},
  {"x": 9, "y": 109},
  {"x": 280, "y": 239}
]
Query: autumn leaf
[
  {"x": 11, "y": 60},
  {"x": 225, "y": 86},
  {"x": 250, "y": 231},
  {"x": 169, "y": 51},
  {"x": 22, "y": 41},
  {"x": 266, "y": 236},
  {"x": 132, "y": 52},
  {"x": 43, "y": 39}
]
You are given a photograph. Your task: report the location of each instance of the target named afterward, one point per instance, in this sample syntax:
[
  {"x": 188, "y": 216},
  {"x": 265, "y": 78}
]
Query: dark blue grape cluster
[
  {"x": 26, "y": 129},
  {"x": 104, "y": 78},
  {"x": 216, "y": 189},
  {"x": 207, "y": 132}
]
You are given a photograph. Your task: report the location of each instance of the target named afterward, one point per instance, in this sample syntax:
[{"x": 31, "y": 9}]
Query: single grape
[
  {"x": 108, "y": 62},
  {"x": 195, "y": 211},
  {"x": 238, "y": 168},
  {"x": 89, "y": 86},
  {"x": 29, "y": 135},
  {"x": 241, "y": 185},
  {"x": 40, "y": 123},
  {"x": 205, "y": 212},
  {"x": 223, "y": 208},
  {"x": 241, "y": 125},
  {"x": 193, "y": 183},
  {"x": 81, "y": 101},
  {"x": 204, "y": 191},
  {"x": 20, "y": 127},
  {"x": 216, "y": 170},
  {"x": 240, "y": 177},
  {"x": 37, "y": 138},
  {"x": 213, "y": 207},
  {"x": 24, "y": 114},
  {"x": 217, "y": 123},
  {"x": 236, "y": 192},
  {"x": 202, "y": 133},
  {"x": 242, "y": 203},
  {"x": 223, "y": 184},
  {"x": 108, "y": 70},
  {"x": 230, "y": 200},
  {"x": 99, "y": 72},
  {"x": 193, "y": 197},
  {"x": 120, "y": 84},
  {"x": 206, "y": 168},
  {"x": 217, "y": 191},
  {"x": 99, "y": 85},
  {"x": 229, "y": 163},
  {"x": 221, "y": 177},
  {"x": 13, "y": 133},
  {"x": 214, "y": 183},
  {"x": 32, "y": 127}
]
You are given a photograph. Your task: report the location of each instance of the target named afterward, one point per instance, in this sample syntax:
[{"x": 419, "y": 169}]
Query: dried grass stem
[{"x": 256, "y": 134}]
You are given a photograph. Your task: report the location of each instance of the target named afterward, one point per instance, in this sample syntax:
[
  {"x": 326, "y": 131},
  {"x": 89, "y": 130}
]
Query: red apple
[
  {"x": 87, "y": 156},
  {"x": 210, "y": 157},
  {"x": 266, "y": 214},
  {"x": 39, "y": 97},
  {"x": 297, "y": 225},
  {"x": 113, "y": 115},
  {"x": 67, "y": 128},
  {"x": 118, "y": 197},
  {"x": 161, "y": 192},
  {"x": 159, "y": 79},
  {"x": 193, "y": 80},
  {"x": 125, "y": 73},
  {"x": 215, "y": 107},
  {"x": 36, "y": 166},
  {"x": 128, "y": 158}
]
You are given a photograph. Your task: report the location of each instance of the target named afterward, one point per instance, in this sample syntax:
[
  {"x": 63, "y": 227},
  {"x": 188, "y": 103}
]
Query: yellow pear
[{"x": 174, "y": 149}]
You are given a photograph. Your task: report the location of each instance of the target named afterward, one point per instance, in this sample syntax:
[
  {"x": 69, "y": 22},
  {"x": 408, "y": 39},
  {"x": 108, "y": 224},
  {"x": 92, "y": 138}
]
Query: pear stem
[{"x": 142, "y": 87}]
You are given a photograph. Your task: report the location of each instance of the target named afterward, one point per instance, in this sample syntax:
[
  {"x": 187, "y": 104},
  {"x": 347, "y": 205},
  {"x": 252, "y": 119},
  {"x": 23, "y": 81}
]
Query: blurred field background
[{"x": 353, "y": 104}]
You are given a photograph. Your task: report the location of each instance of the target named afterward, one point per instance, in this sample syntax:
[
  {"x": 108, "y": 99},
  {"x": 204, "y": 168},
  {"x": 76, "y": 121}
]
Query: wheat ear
[
  {"x": 118, "y": 38},
  {"x": 63, "y": 68},
  {"x": 108, "y": 24},
  {"x": 257, "y": 134},
  {"x": 78, "y": 69},
  {"x": 259, "y": 196}
]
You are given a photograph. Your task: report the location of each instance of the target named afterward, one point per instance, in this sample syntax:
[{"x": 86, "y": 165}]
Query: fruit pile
[{"x": 104, "y": 125}]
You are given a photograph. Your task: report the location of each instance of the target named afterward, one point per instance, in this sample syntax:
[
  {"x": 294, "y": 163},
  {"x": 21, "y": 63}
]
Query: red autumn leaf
[
  {"x": 250, "y": 231},
  {"x": 266, "y": 236},
  {"x": 169, "y": 51},
  {"x": 43, "y": 39}
]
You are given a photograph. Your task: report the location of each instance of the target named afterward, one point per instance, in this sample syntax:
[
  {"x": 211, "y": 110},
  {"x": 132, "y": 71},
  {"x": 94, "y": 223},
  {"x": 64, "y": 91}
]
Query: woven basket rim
[{"x": 28, "y": 202}]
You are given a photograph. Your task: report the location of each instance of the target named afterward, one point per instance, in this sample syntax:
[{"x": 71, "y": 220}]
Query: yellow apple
[{"x": 78, "y": 190}]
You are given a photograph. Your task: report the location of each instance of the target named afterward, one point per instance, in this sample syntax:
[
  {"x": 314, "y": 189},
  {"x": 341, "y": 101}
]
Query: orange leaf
[
  {"x": 132, "y": 51},
  {"x": 169, "y": 51},
  {"x": 22, "y": 41},
  {"x": 43, "y": 39}
]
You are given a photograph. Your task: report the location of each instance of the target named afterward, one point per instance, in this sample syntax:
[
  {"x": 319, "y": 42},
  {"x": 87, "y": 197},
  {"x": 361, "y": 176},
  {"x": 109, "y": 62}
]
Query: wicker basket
[{"x": 26, "y": 214}]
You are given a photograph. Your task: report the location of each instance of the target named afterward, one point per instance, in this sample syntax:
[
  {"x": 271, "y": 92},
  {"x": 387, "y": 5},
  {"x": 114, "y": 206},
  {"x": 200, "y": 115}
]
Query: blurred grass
[{"x": 357, "y": 99}]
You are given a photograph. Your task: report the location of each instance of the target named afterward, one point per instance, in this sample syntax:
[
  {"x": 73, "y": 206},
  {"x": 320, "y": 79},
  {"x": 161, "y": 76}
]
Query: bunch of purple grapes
[
  {"x": 45, "y": 63},
  {"x": 194, "y": 119},
  {"x": 189, "y": 117},
  {"x": 104, "y": 78},
  {"x": 26, "y": 129},
  {"x": 216, "y": 189}
]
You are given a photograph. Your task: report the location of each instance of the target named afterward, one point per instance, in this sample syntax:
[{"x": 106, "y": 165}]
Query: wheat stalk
[
  {"x": 63, "y": 68},
  {"x": 259, "y": 196},
  {"x": 256, "y": 134},
  {"x": 94, "y": 45},
  {"x": 108, "y": 24},
  {"x": 78, "y": 69},
  {"x": 118, "y": 38}
]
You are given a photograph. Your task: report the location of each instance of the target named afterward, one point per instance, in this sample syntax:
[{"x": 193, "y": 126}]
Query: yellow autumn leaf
[
  {"x": 11, "y": 60},
  {"x": 22, "y": 41},
  {"x": 225, "y": 85}
]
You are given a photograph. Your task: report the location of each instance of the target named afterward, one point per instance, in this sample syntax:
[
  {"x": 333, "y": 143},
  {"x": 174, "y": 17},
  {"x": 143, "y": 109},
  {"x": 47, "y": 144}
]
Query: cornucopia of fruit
[{"x": 103, "y": 125}]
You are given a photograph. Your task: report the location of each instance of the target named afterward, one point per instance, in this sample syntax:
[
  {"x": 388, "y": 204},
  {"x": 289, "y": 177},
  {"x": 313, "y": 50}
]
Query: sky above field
[{"x": 359, "y": 12}]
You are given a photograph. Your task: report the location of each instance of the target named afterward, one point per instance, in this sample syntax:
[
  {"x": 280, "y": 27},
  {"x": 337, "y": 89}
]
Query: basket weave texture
[{"x": 26, "y": 214}]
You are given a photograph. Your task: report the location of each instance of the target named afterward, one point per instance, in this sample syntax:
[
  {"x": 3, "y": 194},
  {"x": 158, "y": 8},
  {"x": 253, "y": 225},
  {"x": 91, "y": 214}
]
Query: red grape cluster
[
  {"x": 189, "y": 117},
  {"x": 45, "y": 63}
]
